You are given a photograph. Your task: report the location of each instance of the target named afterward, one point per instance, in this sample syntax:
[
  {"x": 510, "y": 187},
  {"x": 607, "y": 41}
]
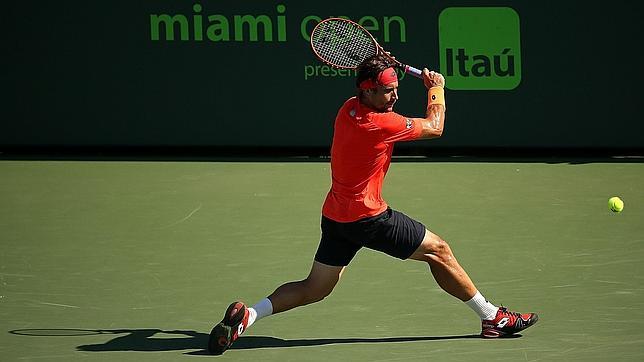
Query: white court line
[
  {"x": 17, "y": 275},
  {"x": 184, "y": 219},
  {"x": 59, "y": 305}
]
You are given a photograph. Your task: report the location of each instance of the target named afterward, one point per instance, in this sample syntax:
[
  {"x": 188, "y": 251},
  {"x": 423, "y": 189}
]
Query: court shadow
[
  {"x": 144, "y": 340},
  {"x": 253, "y": 342},
  {"x": 157, "y": 340},
  {"x": 150, "y": 340},
  {"x": 261, "y": 342}
]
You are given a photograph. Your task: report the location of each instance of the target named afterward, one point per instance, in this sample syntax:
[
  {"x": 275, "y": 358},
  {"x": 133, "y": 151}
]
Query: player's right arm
[{"x": 434, "y": 121}]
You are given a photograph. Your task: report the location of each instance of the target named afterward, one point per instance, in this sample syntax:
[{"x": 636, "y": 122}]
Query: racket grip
[{"x": 413, "y": 71}]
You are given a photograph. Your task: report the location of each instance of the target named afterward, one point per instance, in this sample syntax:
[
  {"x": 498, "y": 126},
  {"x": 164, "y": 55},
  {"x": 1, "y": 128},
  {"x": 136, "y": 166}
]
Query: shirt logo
[
  {"x": 409, "y": 124},
  {"x": 352, "y": 113}
]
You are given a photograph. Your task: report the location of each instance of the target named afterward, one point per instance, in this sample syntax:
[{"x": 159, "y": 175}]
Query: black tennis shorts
[{"x": 390, "y": 232}]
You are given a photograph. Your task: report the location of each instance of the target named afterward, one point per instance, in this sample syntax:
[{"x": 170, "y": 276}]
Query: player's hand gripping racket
[{"x": 342, "y": 43}]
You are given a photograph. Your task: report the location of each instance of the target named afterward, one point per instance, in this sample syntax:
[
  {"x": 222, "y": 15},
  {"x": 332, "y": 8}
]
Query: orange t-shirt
[{"x": 363, "y": 142}]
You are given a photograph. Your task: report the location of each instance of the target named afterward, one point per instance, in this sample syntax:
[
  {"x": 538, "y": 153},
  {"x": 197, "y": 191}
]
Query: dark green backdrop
[{"x": 89, "y": 74}]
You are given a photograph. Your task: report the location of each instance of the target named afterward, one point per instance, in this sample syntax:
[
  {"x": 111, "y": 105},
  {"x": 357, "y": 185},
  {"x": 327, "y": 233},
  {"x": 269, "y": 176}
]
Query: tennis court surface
[{"x": 106, "y": 261}]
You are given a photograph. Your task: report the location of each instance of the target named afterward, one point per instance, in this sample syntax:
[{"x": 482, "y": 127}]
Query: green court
[{"x": 125, "y": 261}]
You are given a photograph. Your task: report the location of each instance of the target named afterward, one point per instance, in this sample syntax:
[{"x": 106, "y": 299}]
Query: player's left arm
[
  {"x": 396, "y": 127},
  {"x": 433, "y": 124}
]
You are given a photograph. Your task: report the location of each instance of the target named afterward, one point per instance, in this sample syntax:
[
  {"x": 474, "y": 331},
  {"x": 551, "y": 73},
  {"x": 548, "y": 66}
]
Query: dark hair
[{"x": 371, "y": 67}]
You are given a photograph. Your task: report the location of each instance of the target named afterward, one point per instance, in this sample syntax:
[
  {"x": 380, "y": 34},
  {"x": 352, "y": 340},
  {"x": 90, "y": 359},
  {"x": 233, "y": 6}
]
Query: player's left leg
[
  {"x": 448, "y": 273},
  {"x": 443, "y": 264}
]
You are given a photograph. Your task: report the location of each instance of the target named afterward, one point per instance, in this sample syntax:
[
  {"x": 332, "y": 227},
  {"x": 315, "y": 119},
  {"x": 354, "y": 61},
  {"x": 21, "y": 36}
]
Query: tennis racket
[{"x": 342, "y": 43}]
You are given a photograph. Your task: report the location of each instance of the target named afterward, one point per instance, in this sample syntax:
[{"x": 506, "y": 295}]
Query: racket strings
[{"x": 342, "y": 44}]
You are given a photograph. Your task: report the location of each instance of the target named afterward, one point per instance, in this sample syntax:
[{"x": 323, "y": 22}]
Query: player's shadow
[
  {"x": 260, "y": 342},
  {"x": 150, "y": 340},
  {"x": 254, "y": 342},
  {"x": 157, "y": 340},
  {"x": 143, "y": 340}
]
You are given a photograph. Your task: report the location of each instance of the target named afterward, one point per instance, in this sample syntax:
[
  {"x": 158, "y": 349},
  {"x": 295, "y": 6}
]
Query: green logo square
[{"x": 480, "y": 48}]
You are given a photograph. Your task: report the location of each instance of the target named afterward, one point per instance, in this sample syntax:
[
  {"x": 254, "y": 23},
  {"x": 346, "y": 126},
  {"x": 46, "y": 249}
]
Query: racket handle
[{"x": 413, "y": 71}]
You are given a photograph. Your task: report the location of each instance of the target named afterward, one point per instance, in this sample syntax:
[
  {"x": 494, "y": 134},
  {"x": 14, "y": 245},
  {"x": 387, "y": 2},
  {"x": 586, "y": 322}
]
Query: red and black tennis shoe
[
  {"x": 229, "y": 329},
  {"x": 507, "y": 323}
]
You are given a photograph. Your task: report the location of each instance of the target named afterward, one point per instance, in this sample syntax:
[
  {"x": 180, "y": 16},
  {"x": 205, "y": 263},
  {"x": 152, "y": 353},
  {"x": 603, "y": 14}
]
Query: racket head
[{"x": 342, "y": 43}]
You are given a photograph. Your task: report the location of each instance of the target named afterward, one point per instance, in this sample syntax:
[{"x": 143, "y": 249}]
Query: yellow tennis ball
[{"x": 615, "y": 204}]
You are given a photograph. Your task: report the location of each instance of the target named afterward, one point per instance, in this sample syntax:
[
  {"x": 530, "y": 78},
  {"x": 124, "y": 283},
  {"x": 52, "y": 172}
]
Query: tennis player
[{"x": 354, "y": 215}]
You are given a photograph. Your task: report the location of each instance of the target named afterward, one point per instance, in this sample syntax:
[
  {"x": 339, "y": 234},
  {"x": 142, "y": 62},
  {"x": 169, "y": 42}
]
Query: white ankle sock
[
  {"x": 482, "y": 307},
  {"x": 252, "y": 316},
  {"x": 262, "y": 309}
]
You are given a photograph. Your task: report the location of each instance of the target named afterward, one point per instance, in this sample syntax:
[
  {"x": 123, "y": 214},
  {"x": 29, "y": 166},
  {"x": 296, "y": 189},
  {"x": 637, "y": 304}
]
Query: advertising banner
[{"x": 214, "y": 73}]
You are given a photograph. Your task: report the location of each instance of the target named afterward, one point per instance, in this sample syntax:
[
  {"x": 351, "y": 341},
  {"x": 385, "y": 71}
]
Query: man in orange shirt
[{"x": 354, "y": 215}]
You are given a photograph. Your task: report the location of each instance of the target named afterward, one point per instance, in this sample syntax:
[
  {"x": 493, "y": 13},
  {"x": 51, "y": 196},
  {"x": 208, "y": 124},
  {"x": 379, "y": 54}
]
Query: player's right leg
[
  {"x": 333, "y": 255},
  {"x": 319, "y": 284},
  {"x": 233, "y": 324}
]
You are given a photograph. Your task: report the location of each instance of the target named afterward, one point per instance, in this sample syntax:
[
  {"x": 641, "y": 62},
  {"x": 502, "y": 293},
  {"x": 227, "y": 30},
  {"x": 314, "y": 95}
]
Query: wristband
[{"x": 436, "y": 95}]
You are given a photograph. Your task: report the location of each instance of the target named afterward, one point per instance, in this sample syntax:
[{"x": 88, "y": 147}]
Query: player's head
[{"x": 377, "y": 83}]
